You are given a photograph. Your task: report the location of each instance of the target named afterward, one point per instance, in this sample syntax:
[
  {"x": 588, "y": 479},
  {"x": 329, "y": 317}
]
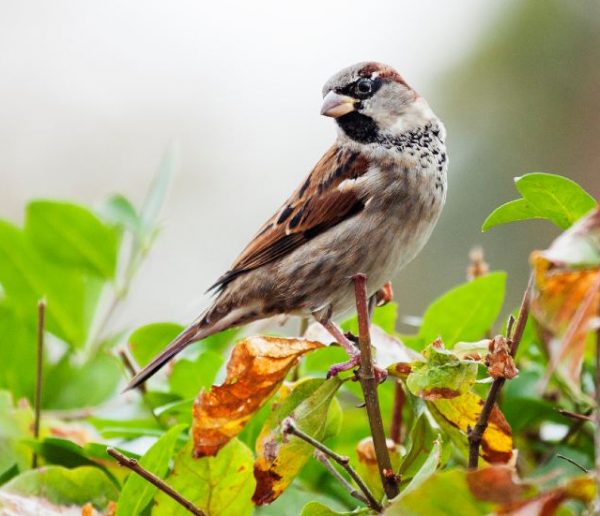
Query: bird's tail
[{"x": 193, "y": 333}]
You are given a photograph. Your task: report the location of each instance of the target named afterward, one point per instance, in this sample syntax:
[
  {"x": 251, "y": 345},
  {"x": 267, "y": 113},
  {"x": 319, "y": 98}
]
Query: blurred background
[{"x": 92, "y": 93}]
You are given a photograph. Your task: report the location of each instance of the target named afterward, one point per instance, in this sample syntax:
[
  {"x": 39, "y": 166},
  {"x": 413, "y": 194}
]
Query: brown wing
[{"x": 312, "y": 209}]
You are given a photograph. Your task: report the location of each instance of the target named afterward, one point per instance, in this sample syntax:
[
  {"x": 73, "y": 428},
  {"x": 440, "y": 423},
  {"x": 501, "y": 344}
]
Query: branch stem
[
  {"x": 39, "y": 375},
  {"x": 290, "y": 428},
  {"x": 323, "y": 459},
  {"x": 475, "y": 434},
  {"x": 368, "y": 382},
  {"x": 134, "y": 466}
]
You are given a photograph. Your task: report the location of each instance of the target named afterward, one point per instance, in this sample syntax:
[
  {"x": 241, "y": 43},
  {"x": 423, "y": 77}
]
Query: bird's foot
[
  {"x": 353, "y": 363},
  {"x": 336, "y": 369}
]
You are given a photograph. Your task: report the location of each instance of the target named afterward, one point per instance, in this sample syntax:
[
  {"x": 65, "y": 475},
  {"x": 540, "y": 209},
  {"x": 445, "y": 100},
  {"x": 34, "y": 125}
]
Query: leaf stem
[
  {"x": 369, "y": 383},
  {"x": 134, "y": 466},
  {"x": 322, "y": 458},
  {"x": 475, "y": 434},
  {"x": 290, "y": 428},
  {"x": 38, "y": 375}
]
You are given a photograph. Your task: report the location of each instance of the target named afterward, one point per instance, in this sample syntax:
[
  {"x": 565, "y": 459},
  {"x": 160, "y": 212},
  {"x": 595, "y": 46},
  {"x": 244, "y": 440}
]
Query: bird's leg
[{"x": 323, "y": 316}]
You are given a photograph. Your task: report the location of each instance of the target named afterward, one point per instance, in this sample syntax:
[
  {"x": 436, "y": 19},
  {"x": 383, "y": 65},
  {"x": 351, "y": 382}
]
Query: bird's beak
[{"x": 335, "y": 105}]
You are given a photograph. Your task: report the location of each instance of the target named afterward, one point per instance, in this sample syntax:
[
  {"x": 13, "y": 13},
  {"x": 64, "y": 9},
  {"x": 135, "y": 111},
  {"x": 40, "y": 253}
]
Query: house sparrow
[{"x": 369, "y": 205}]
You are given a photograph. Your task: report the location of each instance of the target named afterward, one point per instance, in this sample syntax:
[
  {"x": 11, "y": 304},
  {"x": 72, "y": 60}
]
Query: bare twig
[
  {"x": 475, "y": 434},
  {"x": 134, "y": 466},
  {"x": 290, "y": 428},
  {"x": 575, "y": 415},
  {"x": 322, "y": 458},
  {"x": 131, "y": 369},
  {"x": 38, "y": 375},
  {"x": 368, "y": 382},
  {"x": 399, "y": 399},
  {"x": 571, "y": 461}
]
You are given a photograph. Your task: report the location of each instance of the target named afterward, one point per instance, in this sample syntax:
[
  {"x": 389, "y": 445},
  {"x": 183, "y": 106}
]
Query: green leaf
[
  {"x": 519, "y": 209},
  {"x": 72, "y": 236},
  {"x": 71, "y": 382},
  {"x": 17, "y": 348},
  {"x": 280, "y": 458},
  {"x": 156, "y": 195},
  {"x": 422, "y": 439},
  {"x": 137, "y": 493},
  {"x": 62, "y": 486},
  {"x": 429, "y": 467},
  {"x": 26, "y": 277},
  {"x": 465, "y": 313},
  {"x": 443, "y": 493},
  {"x": 15, "y": 425},
  {"x": 546, "y": 196},
  {"x": 147, "y": 341},
  {"x": 220, "y": 486},
  {"x": 383, "y": 316},
  {"x": 319, "y": 509},
  {"x": 442, "y": 375},
  {"x": 188, "y": 377},
  {"x": 119, "y": 211}
]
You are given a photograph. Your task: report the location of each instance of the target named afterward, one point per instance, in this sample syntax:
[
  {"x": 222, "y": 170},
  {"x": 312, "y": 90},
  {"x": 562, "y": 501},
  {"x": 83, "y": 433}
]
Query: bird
[{"x": 368, "y": 206}]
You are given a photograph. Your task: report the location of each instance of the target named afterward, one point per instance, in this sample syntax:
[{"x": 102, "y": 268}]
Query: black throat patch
[{"x": 358, "y": 127}]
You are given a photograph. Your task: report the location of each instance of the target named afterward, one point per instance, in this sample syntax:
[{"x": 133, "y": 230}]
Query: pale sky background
[{"x": 91, "y": 93}]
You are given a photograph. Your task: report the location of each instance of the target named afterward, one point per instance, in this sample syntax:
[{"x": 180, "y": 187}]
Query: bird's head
[{"x": 371, "y": 100}]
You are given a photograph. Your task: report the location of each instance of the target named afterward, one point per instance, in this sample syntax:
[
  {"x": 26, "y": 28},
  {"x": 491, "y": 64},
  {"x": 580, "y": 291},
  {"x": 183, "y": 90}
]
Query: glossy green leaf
[
  {"x": 429, "y": 467},
  {"x": 319, "y": 509},
  {"x": 70, "y": 382},
  {"x": 443, "y": 493},
  {"x": 26, "y": 277},
  {"x": 15, "y": 425},
  {"x": 147, "y": 341},
  {"x": 280, "y": 458},
  {"x": 546, "y": 196},
  {"x": 188, "y": 377},
  {"x": 63, "y": 487},
  {"x": 465, "y": 313},
  {"x": 220, "y": 486},
  {"x": 421, "y": 443},
  {"x": 72, "y": 236},
  {"x": 137, "y": 493}
]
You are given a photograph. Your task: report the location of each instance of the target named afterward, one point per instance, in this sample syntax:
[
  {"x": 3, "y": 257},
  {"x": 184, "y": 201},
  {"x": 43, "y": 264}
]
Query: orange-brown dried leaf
[
  {"x": 499, "y": 361},
  {"x": 497, "y": 484},
  {"x": 255, "y": 370},
  {"x": 563, "y": 304},
  {"x": 462, "y": 412}
]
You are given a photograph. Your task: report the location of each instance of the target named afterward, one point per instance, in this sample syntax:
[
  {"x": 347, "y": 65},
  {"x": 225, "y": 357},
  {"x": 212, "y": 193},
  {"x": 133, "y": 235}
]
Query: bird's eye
[{"x": 364, "y": 86}]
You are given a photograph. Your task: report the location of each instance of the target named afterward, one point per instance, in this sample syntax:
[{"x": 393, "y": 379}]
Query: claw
[{"x": 336, "y": 369}]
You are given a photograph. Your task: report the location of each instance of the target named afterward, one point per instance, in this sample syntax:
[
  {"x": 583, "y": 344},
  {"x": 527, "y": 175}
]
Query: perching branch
[
  {"x": 38, "y": 376},
  {"x": 475, "y": 434},
  {"x": 134, "y": 466},
  {"x": 290, "y": 428},
  {"x": 369, "y": 382}
]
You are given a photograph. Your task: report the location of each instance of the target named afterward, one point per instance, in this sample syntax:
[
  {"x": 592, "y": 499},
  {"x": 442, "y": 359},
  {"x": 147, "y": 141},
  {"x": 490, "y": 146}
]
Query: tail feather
[{"x": 191, "y": 334}]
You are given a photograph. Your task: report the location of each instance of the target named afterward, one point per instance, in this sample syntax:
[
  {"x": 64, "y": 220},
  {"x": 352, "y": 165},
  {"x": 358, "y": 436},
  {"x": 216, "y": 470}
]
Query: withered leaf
[
  {"x": 566, "y": 295},
  {"x": 279, "y": 457},
  {"x": 255, "y": 370},
  {"x": 458, "y": 414},
  {"x": 499, "y": 361}
]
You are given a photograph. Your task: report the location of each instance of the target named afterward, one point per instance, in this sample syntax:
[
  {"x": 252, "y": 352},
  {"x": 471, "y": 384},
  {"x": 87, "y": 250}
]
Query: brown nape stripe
[{"x": 385, "y": 72}]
